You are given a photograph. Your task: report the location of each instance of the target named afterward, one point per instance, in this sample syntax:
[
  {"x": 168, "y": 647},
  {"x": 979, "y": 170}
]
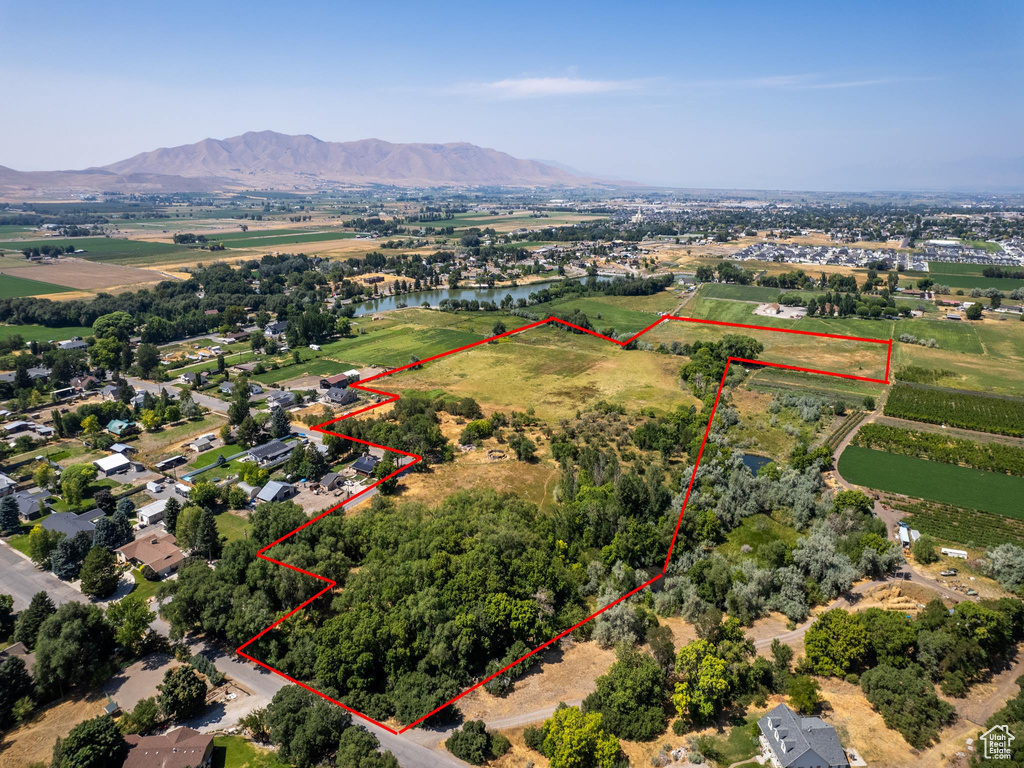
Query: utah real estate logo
[{"x": 997, "y": 742}]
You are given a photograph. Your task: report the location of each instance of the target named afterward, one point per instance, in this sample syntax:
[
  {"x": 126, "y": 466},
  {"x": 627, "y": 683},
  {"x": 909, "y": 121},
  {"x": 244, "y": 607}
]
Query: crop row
[
  {"x": 967, "y": 410},
  {"x": 991, "y": 457}
]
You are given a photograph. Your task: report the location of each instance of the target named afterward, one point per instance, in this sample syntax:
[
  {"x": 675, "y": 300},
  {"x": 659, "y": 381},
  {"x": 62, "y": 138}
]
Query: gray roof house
[
  {"x": 70, "y": 524},
  {"x": 31, "y": 503},
  {"x": 340, "y": 396},
  {"x": 276, "y": 491},
  {"x": 276, "y": 327},
  {"x": 791, "y": 741},
  {"x": 270, "y": 452},
  {"x": 281, "y": 399}
]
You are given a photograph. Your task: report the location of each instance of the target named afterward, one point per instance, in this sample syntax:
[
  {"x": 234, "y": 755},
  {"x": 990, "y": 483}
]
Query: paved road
[
  {"x": 21, "y": 579},
  {"x": 214, "y": 404}
]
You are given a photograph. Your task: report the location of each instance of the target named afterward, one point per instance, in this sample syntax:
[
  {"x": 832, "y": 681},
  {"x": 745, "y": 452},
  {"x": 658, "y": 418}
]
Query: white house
[{"x": 153, "y": 513}]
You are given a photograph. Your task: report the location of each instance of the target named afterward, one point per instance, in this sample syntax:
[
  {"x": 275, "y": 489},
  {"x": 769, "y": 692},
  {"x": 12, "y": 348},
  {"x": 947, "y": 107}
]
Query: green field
[
  {"x": 315, "y": 367},
  {"x": 483, "y": 221},
  {"x": 237, "y": 752},
  {"x": 232, "y": 526},
  {"x": 44, "y": 333},
  {"x": 260, "y": 241},
  {"x": 623, "y": 313},
  {"x": 758, "y": 293},
  {"x": 12, "y": 287},
  {"x": 965, "y": 276},
  {"x": 112, "y": 249},
  {"x": 960, "y": 486},
  {"x": 755, "y": 531}
]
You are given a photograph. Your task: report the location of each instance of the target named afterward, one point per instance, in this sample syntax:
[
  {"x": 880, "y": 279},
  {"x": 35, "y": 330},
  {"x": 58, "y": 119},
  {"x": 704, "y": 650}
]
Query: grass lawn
[
  {"x": 755, "y": 531},
  {"x": 143, "y": 587},
  {"x": 12, "y": 287},
  {"x": 236, "y": 752},
  {"x": 950, "y": 484},
  {"x": 44, "y": 333},
  {"x": 757, "y": 293},
  {"x": 232, "y": 526},
  {"x": 741, "y": 743}
]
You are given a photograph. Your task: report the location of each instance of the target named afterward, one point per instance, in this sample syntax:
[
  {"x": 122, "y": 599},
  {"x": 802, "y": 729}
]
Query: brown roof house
[
  {"x": 181, "y": 748},
  {"x": 160, "y": 553}
]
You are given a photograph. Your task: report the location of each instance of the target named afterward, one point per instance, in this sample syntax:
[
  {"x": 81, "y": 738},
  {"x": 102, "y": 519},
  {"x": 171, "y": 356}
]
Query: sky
[{"x": 760, "y": 95}]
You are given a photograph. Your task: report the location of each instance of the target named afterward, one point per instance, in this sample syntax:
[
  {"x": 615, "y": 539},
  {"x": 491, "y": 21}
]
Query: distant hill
[{"x": 269, "y": 160}]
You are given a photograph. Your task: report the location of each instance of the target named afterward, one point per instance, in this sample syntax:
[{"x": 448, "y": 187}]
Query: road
[
  {"x": 214, "y": 404},
  {"x": 21, "y": 579}
]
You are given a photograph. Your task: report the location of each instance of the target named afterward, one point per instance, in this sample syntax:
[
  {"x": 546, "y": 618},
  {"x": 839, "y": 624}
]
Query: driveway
[{"x": 21, "y": 579}]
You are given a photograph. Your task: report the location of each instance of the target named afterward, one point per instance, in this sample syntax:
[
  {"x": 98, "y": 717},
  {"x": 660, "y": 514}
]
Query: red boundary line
[{"x": 391, "y": 397}]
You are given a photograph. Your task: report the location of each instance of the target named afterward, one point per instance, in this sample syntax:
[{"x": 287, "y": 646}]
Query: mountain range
[{"x": 270, "y": 160}]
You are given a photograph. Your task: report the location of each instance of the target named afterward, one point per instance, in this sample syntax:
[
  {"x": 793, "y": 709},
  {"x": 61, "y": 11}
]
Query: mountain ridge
[{"x": 272, "y": 160}]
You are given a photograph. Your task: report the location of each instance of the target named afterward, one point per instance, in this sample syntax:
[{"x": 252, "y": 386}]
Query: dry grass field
[{"x": 89, "y": 277}]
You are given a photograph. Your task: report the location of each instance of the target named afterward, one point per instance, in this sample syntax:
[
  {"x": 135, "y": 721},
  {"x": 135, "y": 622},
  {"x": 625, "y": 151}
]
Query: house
[
  {"x": 109, "y": 392},
  {"x": 7, "y": 485},
  {"x": 120, "y": 427},
  {"x": 153, "y": 512},
  {"x": 340, "y": 396},
  {"x": 113, "y": 464},
  {"x": 338, "y": 379},
  {"x": 127, "y": 450},
  {"x": 71, "y": 524},
  {"x": 332, "y": 481},
  {"x": 159, "y": 552},
  {"x": 228, "y": 388},
  {"x": 181, "y": 748},
  {"x": 281, "y": 399},
  {"x": 31, "y": 503},
  {"x": 84, "y": 382},
  {"x": 276, "y": 491},
  {"x": 14, "y": 427},
  {"x": 791, "y": 741},
  {"x": 39, "y": 374},
  {"x": 275, "y": 328},
  {"x": 366, "y": 464},
  {"x": 270, "y": 453},
  {"x": 201, "y": 444},
  {"x": 75, "y": 342},
  {"x": 193, "y": 378},
  {"x": 20, "y": 651}
]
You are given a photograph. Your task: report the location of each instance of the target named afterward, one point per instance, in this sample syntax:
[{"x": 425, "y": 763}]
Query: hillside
[{"x": 267, "y": 159}]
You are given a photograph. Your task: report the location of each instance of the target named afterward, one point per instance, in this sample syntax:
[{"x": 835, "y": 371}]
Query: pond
[
  {"x": 754, "y": 462},
  {"x": 435, "y": 297}
]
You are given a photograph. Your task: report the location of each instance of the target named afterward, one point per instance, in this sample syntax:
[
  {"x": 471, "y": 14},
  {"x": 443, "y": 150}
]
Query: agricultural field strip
[
  {"x": 995, "y": 457},
  {"x": 390, "y": 397},
  {"x": 967, "y": 410},
  {"x": 948, "y": 483}
]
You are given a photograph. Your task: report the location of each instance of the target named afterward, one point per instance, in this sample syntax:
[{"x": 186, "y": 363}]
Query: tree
[
  {"x": 204, "y": 494},
  {"x": 75, "y": 645},
  {"x": 99, "y": 573},
  {"x": 239, "y": 407},
  {"x": 75, "y": 481},
  {"x": 804, "y": 694},
  {"x": 44, "y": 476},
  {"x": 104, "y": 499},
  {"x": 116, "y": 325},
  {"x": 113, "y": 532},
  {"x": 907, "y": 702},
  {"x": 26, "y": 628},
  {"x": 306, "y": 729},
  {"x": 836, "y": 642},
  {"x": 143, "y": 718},
  {"x": 197, "y": 532},
  {"x": 182, "y": 693},
  {"x": 6, "y": 615},
  {"x": 357, "y": 748},
  {"x": 9, "y": 521},
  {"x": 15, "y": 684},
  {"x": 188, "y": 407},
  {"x": 498, "y": 329},
  {"x": 575, "y": 740},
  {"x": 67, "y": 557},
  {"x": 631, "y": 697},
  {"x": 147, "y": 357},
  {"x": 130, "y": 618},
  {"x": 248, "y": 432},
  {"x": 91, "y": 424},
  {"x": 924, "y": 550},
  {"x": 96, "y": 743},
  {"x": 703, "y": 683},
  {"x": 280, "y": 424},
  {"x": 41, "y": 544},
  {"x": 524, "y": 447},
  {"x": 383, "y": 469},
  {"x": 150, "y": 420},
  {"x": 475, "y": 744},
  {"x": 171, "y": 512},
  {"x": 973, "y": 312}
]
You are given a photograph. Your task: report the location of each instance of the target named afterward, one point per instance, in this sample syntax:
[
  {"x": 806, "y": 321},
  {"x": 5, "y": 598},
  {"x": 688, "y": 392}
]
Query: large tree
[
  {"x": 130, "y": 618},
  {"x": 96, "y": 743},
  {"x": 631, "y": 696},
  {"x": 26, "y": 629},
  {"x": 15, "y": 683},
  {"x": 75, "y": 645},
  {"x": 182, "y": 693},
  {"x": 99, "y": 573},
  {"x": 836, "y": 642}
]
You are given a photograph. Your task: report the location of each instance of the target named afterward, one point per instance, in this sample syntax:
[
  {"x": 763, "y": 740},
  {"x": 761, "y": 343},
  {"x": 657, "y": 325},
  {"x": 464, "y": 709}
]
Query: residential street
[
  {"x": 214, "y": 404},
  {"x": 21, "y": 579}
]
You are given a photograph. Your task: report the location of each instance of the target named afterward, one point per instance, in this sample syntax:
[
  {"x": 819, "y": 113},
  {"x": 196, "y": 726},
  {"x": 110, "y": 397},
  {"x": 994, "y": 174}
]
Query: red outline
[{"x": 391, "y": 397}]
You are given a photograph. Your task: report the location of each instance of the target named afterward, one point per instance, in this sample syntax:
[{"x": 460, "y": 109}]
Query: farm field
[
  {"x": 623, "y": 313},
  {"x": 970, "y": 527},
  {"x": 967, "y": 410},
  {"x": 964, "y": 280},
  {"x": 272, "y": 239},
  {"x": 13, "y": 287},
  {"x": 77, "y": 274},
  {"x": 505, "y": 223},
  {"x": 116, "y": 250},
  {"x": 44, "y": 333},
  {"x": 959, "y": 486}
]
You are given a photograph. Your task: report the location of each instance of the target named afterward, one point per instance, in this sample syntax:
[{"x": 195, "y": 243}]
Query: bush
[{"x": 534, "y": 738}]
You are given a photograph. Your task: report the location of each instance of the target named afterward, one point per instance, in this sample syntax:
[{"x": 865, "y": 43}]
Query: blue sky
[{"x": 889, "y": 95}]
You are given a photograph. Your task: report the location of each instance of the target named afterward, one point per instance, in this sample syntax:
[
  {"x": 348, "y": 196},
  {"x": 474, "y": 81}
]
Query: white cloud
[{"x": 540, "y": 87}]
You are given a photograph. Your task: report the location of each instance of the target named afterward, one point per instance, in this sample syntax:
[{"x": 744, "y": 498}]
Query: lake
[{"x": 435, "y": 297}]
